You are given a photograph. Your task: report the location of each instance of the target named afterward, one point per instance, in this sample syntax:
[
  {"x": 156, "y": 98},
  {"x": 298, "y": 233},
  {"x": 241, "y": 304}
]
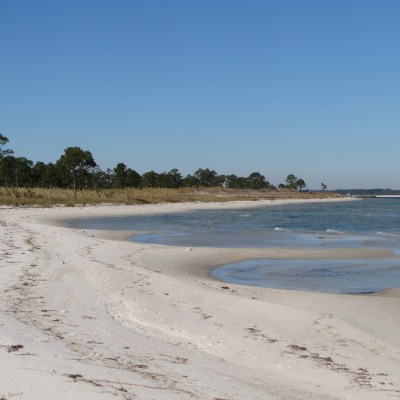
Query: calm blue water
[{"x": 369, "y": 223}]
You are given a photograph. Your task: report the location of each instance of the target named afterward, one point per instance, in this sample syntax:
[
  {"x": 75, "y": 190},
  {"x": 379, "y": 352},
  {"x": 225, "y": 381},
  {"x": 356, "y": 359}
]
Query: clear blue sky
[{"x": 310, "y": 87}]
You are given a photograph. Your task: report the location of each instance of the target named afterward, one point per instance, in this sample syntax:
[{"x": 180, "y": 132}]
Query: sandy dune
[{"x": 85, "y": 315}]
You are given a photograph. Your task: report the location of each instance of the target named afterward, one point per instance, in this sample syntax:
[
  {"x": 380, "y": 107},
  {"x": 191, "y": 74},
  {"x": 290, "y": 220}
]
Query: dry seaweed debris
[{"x": 12, "y": 348}]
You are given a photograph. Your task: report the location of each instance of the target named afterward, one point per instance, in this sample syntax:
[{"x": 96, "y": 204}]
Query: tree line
[{"x": 77, "y": 169}]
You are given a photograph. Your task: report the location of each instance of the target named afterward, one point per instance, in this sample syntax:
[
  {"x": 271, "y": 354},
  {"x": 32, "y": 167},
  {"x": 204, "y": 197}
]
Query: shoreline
[
  {"x": 220, "y": 257},
  {"x": 100, "y": 317}
]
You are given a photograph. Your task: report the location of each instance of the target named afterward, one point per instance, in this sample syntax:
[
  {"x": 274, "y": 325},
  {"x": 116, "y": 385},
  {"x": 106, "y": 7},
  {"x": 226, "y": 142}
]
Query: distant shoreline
[{"x": 56, "y": 197}]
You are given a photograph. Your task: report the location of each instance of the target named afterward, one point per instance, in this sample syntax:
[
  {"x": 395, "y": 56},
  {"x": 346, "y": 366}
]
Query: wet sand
[{"x": 87, "y": 315}]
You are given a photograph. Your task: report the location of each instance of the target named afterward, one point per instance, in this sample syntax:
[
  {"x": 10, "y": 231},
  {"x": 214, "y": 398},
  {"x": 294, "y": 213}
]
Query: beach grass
[{"x": 54, "y": 196}]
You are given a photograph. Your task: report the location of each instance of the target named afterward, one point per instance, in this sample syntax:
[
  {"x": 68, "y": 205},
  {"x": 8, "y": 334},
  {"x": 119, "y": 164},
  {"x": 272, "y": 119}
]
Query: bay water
[{"x": 368, "y": 223}]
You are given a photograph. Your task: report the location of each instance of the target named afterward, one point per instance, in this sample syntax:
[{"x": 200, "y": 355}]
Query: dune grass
[{"x": 50, "y": 197}]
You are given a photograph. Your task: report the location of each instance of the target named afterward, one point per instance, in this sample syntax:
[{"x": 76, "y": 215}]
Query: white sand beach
[{"x": 88, "y": 315}]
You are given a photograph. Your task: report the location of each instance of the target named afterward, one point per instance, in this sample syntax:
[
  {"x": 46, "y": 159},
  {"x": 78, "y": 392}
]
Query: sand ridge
[{"x": 86, "y": 316}]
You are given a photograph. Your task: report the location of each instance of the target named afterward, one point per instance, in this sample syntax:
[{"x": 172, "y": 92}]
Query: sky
[{"x": 309, "y": 87}]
